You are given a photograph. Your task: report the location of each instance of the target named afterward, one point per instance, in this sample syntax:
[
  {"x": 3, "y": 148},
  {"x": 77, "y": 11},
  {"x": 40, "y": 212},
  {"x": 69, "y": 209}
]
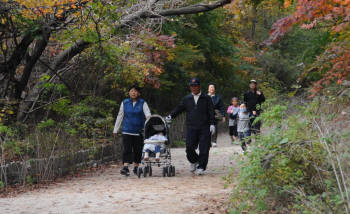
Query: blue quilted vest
[{"x": 134, "y": 118}]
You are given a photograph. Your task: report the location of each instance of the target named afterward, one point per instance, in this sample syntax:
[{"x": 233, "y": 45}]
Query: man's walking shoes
[
  {"x": 193, "y": 167},
  {"x": 200, "y": 171}
]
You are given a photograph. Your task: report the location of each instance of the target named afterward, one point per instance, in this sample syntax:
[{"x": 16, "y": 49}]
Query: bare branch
[{"x": 192, "y": 9}]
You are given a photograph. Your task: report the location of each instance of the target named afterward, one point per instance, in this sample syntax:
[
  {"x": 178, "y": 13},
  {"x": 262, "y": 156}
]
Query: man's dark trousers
[{"x": 195, "y": 137}]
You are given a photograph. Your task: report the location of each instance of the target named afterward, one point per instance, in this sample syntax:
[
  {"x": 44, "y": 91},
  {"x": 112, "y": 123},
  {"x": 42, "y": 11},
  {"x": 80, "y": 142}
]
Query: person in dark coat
[
  {"x": 219, "y": 110},
  {"x": 132, "y": 115},
  {"x": 200, "y": 124},
  {"x": 253, "y": 99}
]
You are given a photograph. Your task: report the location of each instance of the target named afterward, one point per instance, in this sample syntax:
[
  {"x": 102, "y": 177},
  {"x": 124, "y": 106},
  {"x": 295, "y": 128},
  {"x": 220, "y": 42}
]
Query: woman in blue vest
[{"x": 132, "y": 115}]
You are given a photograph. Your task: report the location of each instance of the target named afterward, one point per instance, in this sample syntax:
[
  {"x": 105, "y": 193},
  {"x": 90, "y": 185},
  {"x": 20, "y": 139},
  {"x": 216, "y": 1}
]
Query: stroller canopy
[{"x": 154, "y": 125}]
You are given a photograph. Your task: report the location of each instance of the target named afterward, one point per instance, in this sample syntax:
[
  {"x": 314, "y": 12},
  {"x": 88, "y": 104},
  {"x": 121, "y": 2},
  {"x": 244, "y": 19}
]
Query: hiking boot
[
  {"x": 125, "y": 171},
  {"x": 193, "y": 167},
  {"x": 200, "y": 171}
]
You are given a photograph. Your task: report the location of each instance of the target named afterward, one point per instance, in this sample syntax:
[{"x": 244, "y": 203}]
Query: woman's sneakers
[
  {"x": 125, "y": 171},
  {"x": 214, "y": 144},
  {"x": 135, "y": 170}
]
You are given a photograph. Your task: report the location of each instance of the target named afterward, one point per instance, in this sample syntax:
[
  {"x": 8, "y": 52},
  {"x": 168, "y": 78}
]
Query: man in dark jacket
[
  {"x": 253, "y": 100},
  {"x": 200, "y": 123},
  {"x": 219, "y": 110}
]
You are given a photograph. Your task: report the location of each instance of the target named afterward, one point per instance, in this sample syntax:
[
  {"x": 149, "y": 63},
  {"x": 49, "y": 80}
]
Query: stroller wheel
[
  {"x": 165, "y": 171},
  {"x": 150, "y": 171},
  {"x": 139, "y": 172},
  {"x": 172, "y": 170},
  {"x": 145, "y": 169},
  {"x": 169, "y": 171}
]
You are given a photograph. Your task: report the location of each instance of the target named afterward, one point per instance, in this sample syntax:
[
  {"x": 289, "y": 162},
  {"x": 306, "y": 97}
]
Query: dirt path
[{"x": 112, "y": 193}]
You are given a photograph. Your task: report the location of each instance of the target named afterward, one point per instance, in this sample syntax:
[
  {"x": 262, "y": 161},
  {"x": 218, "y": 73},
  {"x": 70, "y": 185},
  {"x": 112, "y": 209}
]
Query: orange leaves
[
  {"x": 287, "y": 3},
  {"x": 34, "y": 9},
  {"x": 340, "y": 27},
  {"x": 143, "y": 56},
  {"x": 339, "y": 55},
  {"x": 280, "y": 28},
  {"x": 338, "y": 10},
  {"x": 251, "y": 60},
  {"x": 48, "y": 3},
  {"x": 334, "y": 64},
  {"x": 309, "y": 26},
  {"x": 310, "y": 12}
]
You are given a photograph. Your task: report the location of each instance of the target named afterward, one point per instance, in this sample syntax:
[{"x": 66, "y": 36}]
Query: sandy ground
[{"x": 110, "y": 192}]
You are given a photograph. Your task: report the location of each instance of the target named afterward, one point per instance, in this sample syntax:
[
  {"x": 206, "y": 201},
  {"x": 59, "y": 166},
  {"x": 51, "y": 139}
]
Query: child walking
[
  {"x": 243, "y": 126},
  {"x": 232, "y": 111}
]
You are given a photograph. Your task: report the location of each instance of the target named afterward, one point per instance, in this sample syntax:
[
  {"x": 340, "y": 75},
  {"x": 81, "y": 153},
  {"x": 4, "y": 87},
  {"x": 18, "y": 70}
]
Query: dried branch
[{"x": 192, "y": 9}]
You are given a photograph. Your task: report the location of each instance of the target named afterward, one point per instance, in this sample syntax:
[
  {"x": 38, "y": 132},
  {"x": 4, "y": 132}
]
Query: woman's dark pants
[{"x": 133, "y": 146}]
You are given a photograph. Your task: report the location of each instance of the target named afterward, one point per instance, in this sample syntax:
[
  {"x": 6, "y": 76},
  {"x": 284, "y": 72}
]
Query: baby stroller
[{"x": 153, "y": 125}]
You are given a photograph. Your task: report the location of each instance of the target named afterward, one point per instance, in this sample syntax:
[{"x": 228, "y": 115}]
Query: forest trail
[{"x": 110, "y": 192}]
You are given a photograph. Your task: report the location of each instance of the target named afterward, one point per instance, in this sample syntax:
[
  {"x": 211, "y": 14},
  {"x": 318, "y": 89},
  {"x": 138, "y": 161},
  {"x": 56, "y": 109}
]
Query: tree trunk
[
  {"x": 266, "y": 22},
  {"x": 4, "y": 83},
  {"x": 18, "y": 54},
  {"x": 37, "y": 52},
  {"x": 79, "y": 46},
  {"x": 8, "y": 68},
  {"x": 254, "y": 21},
  {"x": 59, "y": 62}
]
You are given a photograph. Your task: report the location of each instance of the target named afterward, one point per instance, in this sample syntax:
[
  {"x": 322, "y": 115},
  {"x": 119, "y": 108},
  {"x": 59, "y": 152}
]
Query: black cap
[
  {"x": 194, "y": 81},
  {"x": 136, "y": 87}
]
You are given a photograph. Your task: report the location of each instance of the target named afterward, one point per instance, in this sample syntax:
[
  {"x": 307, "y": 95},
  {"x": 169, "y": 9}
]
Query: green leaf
[{"x": 284, "y": 141}]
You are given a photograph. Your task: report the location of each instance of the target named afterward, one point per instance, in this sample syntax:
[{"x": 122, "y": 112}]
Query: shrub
[{"x": 296, "y": 165}]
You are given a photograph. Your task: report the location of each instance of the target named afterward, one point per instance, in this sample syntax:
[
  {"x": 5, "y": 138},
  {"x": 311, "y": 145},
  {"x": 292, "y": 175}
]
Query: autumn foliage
[
  {"x": 333, "y": 15},
  {"x": 34, "y": 9}
]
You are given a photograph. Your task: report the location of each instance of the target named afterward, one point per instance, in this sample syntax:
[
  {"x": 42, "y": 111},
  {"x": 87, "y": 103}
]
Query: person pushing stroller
[
  {"x": 200, "y": 123},
  {"x": 131, "y": 117}
]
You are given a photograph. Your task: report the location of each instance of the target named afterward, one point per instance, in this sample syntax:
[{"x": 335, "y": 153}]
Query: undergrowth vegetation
[{"x": 300, "y": 163}]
